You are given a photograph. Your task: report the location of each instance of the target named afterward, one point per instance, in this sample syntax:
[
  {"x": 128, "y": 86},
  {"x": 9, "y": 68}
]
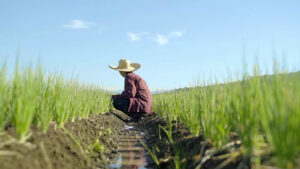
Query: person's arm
[{"x": 130, "y": 89}]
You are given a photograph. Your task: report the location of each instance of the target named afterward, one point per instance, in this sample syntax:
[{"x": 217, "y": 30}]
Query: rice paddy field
[
  {"x": 32, "y": 97},
  {"x": 262, "y": 112}
]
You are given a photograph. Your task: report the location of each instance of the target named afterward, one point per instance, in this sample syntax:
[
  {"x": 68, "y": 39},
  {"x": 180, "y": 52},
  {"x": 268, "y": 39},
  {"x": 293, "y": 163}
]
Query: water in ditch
[{"x": 131, "y": 151}]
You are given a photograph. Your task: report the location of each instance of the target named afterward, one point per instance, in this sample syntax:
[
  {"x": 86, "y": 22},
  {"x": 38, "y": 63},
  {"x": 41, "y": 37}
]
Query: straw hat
[{"x": 126, "y": 66}]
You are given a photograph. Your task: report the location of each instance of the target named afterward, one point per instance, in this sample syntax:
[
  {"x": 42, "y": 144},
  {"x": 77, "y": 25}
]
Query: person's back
[{"x": 142, "y": 100}]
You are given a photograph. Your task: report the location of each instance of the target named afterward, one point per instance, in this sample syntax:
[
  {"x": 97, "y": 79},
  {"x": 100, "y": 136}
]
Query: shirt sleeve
[{"x": 129, "y": 89}]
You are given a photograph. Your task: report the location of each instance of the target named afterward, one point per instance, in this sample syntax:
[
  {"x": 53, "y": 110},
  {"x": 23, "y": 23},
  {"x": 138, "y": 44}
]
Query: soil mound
[{"x": 83, "y": 144}]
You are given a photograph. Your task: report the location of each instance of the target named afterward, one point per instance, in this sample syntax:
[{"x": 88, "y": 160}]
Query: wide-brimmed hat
[{"x": 126, "y": 66}]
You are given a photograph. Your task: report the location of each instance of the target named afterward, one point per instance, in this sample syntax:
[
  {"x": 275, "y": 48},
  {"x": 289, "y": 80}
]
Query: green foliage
[
  {"x": 97, "y": 147},
  {"x": 34, "y": 97},
  {"x": 152, "y": 152},
  {"x": 108, "y": 131},
  {"x": 252, "y": 107},
  {"x": 5, "y": 97},
  {"x": 23, "y": 102},
  {"x": 168, "y": 133}
]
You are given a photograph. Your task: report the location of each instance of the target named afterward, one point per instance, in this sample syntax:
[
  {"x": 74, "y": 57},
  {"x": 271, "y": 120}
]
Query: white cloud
[
  {"x": 133, "y": 37},
  {"x": 78, "y": 24},
  {"x": 164, "y": 39},
  {"x": 161, "y": 39},
  {"x": 176, "y": 34}
]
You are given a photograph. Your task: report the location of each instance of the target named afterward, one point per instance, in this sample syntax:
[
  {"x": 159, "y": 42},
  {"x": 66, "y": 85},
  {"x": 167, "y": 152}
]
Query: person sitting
[{"x": 136, "y": 99}]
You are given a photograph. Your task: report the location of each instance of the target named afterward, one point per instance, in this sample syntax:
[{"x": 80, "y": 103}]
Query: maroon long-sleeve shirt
[{"x": 137, "y": 91}]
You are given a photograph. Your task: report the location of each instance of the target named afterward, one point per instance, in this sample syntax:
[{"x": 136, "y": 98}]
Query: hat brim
[{"x": 133, "y": 67}]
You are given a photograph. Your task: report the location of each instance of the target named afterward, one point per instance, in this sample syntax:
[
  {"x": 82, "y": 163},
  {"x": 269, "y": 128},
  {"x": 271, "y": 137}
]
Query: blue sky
[{"x": 176, "y": 42}]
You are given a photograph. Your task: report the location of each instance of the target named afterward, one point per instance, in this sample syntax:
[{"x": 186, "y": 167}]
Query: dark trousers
[{"x": 123, "y": 105}]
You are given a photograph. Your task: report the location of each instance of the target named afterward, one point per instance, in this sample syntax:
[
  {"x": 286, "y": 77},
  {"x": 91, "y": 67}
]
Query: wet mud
[{"x": 132, "y": 153}]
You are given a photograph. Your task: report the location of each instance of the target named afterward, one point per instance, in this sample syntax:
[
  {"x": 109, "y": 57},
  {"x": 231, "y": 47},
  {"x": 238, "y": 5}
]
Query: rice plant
[
  {"x": 32, "y": 97},
  {"x": 5, "y": 97},
  {"x": 24, "y": 100},
  {"x": 254, "y": 107}
]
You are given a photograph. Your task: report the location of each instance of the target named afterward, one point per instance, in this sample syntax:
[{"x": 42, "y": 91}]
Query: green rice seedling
[
  {"x": 253, "y": 107},
  {"x": 152, "y": 152},
  {"x": 213, "y": 119},
  {"x": 74, "y": 139},
  {"x": 105, "y": 101},
  {"x": 191, "y": 110},
  {"x": 280, "y": 117},
  {"x": 177, "y": 151},
  {"x": 45, "y": 100},
  {"x": 32, "y": 97},
  {"x": 74, "y": 96},
  {"x": 108, "y": 131},
  {"x": 96, "y": 146},
  {"x": 179, "y": 163},
  {"x": 24, "y": 100},
  {"x": 62, "y": 101},
  {"x": 247, "y": 113},
  {"x": 5, "y": 97},
  {"x": 168, "y": 132}
]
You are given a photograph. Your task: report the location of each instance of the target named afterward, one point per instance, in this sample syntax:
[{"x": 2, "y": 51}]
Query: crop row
[
  {"x": 262, "y": 110},
  {"x": 31, "y": 96}
]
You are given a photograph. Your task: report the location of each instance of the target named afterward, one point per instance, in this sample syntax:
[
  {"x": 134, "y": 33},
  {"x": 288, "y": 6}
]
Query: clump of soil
[{"x": 83, "y": 144}]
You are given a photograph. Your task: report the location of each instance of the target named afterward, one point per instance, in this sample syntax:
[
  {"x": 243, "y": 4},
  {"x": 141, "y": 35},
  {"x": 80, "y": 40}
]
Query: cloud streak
[
  {"x": 160, "y": 39},
  {"x": 164, "y": 39},
  {"x": 176, "y": 34},
  {"x": 133, "y": 37},
  {"x": 78, "y": 24}
]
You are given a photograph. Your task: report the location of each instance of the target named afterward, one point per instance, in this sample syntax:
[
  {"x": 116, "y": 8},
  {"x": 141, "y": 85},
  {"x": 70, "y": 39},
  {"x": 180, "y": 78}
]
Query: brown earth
[{"x": 68, "y": 148}]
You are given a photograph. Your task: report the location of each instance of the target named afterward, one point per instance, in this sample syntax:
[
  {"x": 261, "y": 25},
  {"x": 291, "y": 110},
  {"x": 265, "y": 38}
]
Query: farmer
[{"x": 136, "y": 99}]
